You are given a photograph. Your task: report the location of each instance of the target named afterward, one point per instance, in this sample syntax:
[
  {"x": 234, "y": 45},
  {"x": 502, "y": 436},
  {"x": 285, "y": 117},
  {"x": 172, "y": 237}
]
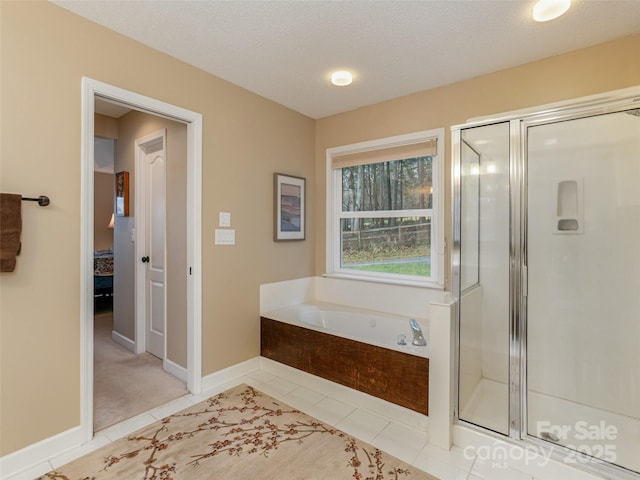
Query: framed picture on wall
[
  {"x": 122, "y": 194},
  {"x": 289, "y": 202}
]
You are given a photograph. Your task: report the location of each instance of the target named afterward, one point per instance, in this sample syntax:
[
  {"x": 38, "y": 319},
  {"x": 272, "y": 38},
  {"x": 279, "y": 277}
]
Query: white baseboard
[
  {"x": 123, "y": 341},
  {"x": 14, "y": 463},
  {"x": 229, "y": 374},
  {"x": 176, "y": 370},
  {"x": 346, "y": 394}
]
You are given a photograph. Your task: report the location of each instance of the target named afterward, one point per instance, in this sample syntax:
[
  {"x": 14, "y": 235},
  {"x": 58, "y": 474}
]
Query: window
[{"x": 385, "y": 209}]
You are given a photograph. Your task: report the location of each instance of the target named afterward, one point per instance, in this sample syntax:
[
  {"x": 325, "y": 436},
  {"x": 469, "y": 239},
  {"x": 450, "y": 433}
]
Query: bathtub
[
  {"x": 367, "y": 326},
  {"x": 353, "y": 347}
]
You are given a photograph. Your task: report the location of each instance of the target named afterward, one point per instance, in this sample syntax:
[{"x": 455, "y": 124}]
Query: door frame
[
  {"x": 90, "y": 89},
  {"x": 140, "y": 246}
]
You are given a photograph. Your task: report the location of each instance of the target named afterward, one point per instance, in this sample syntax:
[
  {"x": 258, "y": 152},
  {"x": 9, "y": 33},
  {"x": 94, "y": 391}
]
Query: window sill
[{"x": 391, "y": 281}]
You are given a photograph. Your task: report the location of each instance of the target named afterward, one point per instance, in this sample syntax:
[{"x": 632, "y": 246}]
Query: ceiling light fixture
[
  {"x": 546, "y": 10},
  {"x": 341, "y": 78}
]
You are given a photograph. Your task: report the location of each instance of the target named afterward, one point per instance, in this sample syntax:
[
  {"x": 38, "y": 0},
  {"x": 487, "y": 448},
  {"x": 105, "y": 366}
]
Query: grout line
[
  {"x": 419, "y": 451},
  {"x": 473, "y": 464}
]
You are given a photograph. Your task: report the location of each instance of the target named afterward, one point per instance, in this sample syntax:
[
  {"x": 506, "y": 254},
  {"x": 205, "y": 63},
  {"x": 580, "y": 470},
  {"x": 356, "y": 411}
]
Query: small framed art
[
  {"x": 122, "y": 194},
  {"x": 289, "y": 202}
]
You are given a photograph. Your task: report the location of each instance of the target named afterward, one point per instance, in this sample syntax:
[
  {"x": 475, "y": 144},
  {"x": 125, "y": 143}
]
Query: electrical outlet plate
[{"x": 225, "y": 237}]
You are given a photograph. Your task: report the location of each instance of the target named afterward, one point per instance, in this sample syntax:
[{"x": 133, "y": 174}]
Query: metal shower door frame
[{"x": 519, "y": 123}]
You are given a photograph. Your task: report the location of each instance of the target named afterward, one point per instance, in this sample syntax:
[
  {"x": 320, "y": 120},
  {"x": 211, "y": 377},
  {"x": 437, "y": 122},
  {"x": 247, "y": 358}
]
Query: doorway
[
  {"x": 132, "y": 372},
  {"x": 92, "y": 89}
]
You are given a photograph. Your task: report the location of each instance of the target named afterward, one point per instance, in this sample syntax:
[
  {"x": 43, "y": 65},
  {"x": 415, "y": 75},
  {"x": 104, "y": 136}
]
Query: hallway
[{"x": 126, "y": 384}]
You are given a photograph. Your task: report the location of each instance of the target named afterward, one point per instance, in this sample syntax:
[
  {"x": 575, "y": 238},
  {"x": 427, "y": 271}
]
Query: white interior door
[{"x": 153, "y": 169}]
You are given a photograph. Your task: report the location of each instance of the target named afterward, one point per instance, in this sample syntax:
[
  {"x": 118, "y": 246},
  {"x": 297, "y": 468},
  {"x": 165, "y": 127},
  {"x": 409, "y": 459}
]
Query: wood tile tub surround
[{"x": 394, "y": 376}]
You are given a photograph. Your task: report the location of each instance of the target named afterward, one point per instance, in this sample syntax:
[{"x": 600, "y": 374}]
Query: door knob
[{"x": 145, "y": 259}]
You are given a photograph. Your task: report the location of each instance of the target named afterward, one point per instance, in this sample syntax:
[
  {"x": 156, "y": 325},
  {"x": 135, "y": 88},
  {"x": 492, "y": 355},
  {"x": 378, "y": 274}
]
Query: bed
[{"x": 103, "y": 273}]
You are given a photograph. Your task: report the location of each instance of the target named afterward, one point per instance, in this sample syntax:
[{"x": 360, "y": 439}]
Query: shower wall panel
[
  {"x": 494, "y": 255},
  {"x": 584, "y": 302},
  {"x": 491, "y": 143},
  {"x": 470, "y": 343},
  {"x": 484, "y": 259}
]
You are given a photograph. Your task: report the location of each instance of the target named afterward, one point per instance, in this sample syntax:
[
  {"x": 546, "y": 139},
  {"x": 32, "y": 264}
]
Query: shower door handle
[{"x": 525, "y": 281}]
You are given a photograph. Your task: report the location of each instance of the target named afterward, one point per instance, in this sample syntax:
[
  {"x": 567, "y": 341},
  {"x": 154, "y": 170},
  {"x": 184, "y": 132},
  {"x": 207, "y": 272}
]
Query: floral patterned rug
[{"x": 239, "y": 434}]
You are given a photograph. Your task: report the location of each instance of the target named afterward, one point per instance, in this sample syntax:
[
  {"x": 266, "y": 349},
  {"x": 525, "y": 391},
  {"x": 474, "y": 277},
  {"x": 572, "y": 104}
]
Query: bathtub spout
[{"x": 418, "y": 338}]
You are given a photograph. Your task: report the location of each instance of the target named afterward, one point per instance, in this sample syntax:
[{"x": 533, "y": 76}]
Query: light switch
[
  {"x": 225, "y": 219},
  {"x": 225, "y": 237}
]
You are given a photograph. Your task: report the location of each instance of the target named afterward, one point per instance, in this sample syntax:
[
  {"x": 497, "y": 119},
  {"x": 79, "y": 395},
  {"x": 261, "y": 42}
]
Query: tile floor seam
[
  {"x": 473, "y": 463},
  {"x": 315, "y": 403},
  {"x": 358, "y": 410},
  {"x": 415, "y": 458},
  {"x": 379, "y": 433}
]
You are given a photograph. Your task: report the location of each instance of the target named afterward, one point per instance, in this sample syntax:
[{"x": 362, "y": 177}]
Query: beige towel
[{"x": 10, "y": 229}]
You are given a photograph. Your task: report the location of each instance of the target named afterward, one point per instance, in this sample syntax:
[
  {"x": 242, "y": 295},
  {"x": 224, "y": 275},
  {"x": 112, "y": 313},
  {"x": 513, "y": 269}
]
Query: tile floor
[
  {"x": 489, "y": 402},
  {"x": 400, "y": 440}
]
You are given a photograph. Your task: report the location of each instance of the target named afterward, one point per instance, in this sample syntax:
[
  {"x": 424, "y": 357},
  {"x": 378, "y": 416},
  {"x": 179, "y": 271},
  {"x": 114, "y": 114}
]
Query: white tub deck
[{"x": 367, "y": 326}]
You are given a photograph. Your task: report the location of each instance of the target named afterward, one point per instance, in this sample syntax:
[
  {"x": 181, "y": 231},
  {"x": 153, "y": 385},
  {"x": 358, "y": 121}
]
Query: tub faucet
[{"x": 418, "y": 338}]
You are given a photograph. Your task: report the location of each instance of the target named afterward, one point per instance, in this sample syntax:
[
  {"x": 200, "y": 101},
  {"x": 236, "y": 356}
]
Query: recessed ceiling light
[
  {"x": 546, "y": 10},
  {"x": 341, "y": 78}
]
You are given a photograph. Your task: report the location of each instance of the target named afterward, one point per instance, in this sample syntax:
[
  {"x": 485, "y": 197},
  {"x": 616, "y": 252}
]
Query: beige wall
[
  {"x": 105, "y": 127},
  {"x": 598, "y": 69},
  {"x": 132, "y": 126},
  {"x": 45, "y": 51},
  {"x": 102, "y": 210}
]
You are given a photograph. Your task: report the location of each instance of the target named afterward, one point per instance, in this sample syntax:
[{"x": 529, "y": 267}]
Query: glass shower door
[
  {"x": 583, "y": 299},
  {"x": 483, "y": 280}
]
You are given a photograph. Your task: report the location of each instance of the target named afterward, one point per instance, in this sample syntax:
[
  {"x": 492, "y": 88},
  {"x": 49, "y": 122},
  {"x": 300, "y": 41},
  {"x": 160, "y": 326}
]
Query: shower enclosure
[{"x": 546, "y": 277}]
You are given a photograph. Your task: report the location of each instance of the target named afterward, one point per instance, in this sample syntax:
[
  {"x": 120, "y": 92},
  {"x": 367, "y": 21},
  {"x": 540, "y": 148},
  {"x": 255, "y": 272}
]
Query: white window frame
[{"x": 334, "y": 211}]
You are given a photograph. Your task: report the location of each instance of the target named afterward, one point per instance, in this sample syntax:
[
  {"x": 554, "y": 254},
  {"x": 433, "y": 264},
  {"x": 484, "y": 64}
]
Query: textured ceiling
[{"x": 286, "y": 50}]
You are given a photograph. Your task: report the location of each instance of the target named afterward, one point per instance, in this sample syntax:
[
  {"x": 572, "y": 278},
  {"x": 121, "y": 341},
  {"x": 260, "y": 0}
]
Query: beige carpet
[
  {"x": 239, "y": 434},
  {"x": 126, "y": 384}
]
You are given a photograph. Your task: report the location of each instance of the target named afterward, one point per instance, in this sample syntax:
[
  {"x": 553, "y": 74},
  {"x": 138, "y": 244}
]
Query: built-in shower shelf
[{"x": 568, "y": 218}]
